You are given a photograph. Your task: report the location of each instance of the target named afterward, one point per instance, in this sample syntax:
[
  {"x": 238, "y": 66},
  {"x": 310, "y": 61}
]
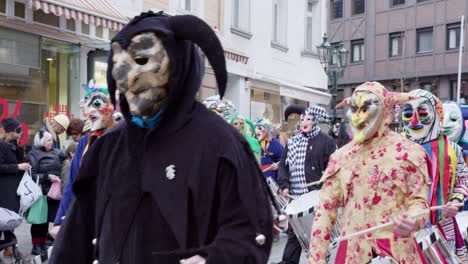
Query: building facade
[
  {"x": 404, "y": 44},
  {"x": 46, "y": 49},
  {"x": 270, "y": 51}
]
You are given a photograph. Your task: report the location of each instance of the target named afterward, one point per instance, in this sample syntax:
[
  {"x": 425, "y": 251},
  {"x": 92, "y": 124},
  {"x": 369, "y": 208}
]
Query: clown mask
[
  {"x": 453, "y": 121},
  {"x": 261, "y": 132},
  {"x": 419, "y": 118},
  {"x": 239, "y": 124},
  {"x": 366, "y": 114},
  {"x": 141, "y": 72},
  {"x": 307, "y": 123},
  {"x": 98, "y": 108},
  {"x": 336, "y": 129}
]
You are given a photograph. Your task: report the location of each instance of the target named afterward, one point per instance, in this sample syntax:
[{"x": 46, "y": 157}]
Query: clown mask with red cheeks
[
  {"x": 307, "y": 123},
  {"x": 98, "y": 108},
  {"x": 366, "y": 114}
]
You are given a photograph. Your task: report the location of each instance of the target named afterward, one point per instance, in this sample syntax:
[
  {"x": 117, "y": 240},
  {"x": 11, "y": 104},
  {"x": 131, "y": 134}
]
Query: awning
[
  {"x": 97, "y": 12},
  {"x": 303, "y": 93}
]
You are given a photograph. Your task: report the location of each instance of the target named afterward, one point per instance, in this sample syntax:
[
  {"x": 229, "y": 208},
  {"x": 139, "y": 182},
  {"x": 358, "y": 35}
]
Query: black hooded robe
[{"x": 128, "y": 210}]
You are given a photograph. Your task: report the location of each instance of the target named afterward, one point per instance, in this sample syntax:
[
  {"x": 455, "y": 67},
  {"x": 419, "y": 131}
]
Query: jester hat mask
[
  {"x": 97, "y": 107},
  {"x": 371, "y": 110},
  {"x": 308, "y": 117},
  {"x": 422, "y": 117},
  {"x": 156, "y": 66},
  {"x": 453, "y": 121}
]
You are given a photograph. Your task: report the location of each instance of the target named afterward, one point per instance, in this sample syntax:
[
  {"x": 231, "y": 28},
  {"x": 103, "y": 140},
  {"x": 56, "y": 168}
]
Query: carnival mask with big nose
[
  {"x": 453, "y": 121},
  {"x": 366, "y": 113},
  {"x": 98, "y": 108},
  {"x": 419, "y": 119},
  {"x": 141, "y": 73},
  {"x": 307, "y": 123},
  {"x": 260, "y": 132}
]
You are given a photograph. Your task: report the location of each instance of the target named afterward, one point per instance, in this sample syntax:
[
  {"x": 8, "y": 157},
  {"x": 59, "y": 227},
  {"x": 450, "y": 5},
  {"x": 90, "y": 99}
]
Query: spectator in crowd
[
  {"x": 74, "y": 132},
  {"x": 12, "y": 168},
  {"x": 46, "y": 164},
  {"x": 58, "y": 125}
]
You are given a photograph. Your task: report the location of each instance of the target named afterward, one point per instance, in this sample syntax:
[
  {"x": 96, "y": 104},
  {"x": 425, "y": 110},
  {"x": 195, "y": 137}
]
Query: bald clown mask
[
  {"x": 141, "y": 73},
  {"x": 453, "y": 121}
]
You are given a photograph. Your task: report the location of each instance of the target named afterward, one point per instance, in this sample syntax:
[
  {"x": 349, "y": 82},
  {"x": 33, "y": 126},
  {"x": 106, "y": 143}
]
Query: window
[
  {"x": 311, "y": 25},
  {"x": 20, "y": 10},
  {"x": 280, "y": 12},
  {"x": 71, "y": 24},
  {"x": 336, "y": 7},
  {"x": 335, "y": 46},
  {"x": 357, "y": 50},
  {"x": 185, "y": 5},
  {"x": 99, "y": 32},
  {"x": 424, "y": 40},
  {"x": 84, "y": 28},
  {"x": 112, "y": 34},
  {"x": 358, "y": 6},
  {"x": 397, "y": 2},
  {"x": 3, "y": 6},
  {"x": 48, "y": 19},
  {"x": 453, "y": 36},
  {"x": 241, "y": 15},
  {"x": 396, "y": 44}
]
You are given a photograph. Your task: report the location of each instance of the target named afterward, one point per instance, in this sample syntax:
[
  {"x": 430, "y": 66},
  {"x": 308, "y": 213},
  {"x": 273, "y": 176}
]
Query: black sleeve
[
  {"x": 283, "y": 171},
  {"x": 73, "y": 244},
  {"x": 6, "y": 169},
  {"x": 235, "y": 241},
  {"x": 330, "y": 149}
]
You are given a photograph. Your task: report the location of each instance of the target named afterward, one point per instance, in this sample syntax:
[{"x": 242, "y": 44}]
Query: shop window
[
  {"x": 3, "y": 6},
  {"x": 71, "y": 24},
  {"x": 267, "y": 105},
  {"x": 396, "y": 44},
  {"x": 453, "y": 36},
  {"x": 20, "y": 10},
  {"x": 99, "y": 32},
  {"x": 424, "y": 40},
  {"x": 336, "y": 7},
  {"x": 48, "y": 19},
  {"x": 84, "y": 28}
]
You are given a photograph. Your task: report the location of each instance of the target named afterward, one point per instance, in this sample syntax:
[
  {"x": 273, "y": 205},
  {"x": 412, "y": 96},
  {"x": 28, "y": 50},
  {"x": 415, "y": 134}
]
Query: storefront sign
[
  {"x": 6, "y": 113},
  {"x": 56, "y": 110}
]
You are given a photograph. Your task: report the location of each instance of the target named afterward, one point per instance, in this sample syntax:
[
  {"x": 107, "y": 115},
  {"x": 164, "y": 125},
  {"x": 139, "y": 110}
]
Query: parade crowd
[{"x": 153, "y": 176}]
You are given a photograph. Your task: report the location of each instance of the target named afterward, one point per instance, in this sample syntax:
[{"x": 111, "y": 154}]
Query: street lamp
[{"x": 334, "y": 61}]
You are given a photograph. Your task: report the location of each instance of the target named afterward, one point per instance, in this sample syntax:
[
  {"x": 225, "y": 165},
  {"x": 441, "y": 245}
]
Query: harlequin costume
[
  {"x": 271, "y": 148},
  {"x": 377, "y": 176},
  {"x": 304, "y": 160},
  {"x": 248, "y": 134},
  {"x": 423, "y": 118},
  {"x": 163, "y": 186}
]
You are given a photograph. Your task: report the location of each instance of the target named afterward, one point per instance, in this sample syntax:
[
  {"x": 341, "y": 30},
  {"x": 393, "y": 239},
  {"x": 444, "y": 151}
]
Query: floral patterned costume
[{"x": 372, "y": 180}]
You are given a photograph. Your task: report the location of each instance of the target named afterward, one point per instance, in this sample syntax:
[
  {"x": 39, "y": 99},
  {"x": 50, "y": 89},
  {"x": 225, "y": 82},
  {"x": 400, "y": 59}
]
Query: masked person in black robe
[{"x": 173, "y": 183}]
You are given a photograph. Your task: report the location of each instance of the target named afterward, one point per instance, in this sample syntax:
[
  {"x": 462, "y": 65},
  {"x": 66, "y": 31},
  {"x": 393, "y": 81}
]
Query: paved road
[{"x": 24, "y": 239}]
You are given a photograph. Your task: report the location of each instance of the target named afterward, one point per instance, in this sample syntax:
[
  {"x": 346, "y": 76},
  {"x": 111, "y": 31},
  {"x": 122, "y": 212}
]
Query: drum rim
[{"x": 303, "y": 213}]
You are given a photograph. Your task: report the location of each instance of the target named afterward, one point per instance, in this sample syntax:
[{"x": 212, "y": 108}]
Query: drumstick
[
  {"x": 267, "y": 169},
  {"x": 381, "y": 226},
  {"x": 313, "y": 183}
]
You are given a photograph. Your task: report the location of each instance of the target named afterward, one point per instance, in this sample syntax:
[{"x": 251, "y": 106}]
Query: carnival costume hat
[{"x": 374, "y": 178}]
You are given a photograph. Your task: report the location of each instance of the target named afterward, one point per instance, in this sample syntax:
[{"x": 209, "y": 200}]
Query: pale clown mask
[
  {"x": 453, "y": 121},
  {"x": 97, "y": 107},
  {"x": 366, "y": 114},
  {"x": 141, "y": 72},
  {"x": 239, "y": 124},
  {"x": 306, "y": 123},
  {"x": 422, "y": 117}
]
